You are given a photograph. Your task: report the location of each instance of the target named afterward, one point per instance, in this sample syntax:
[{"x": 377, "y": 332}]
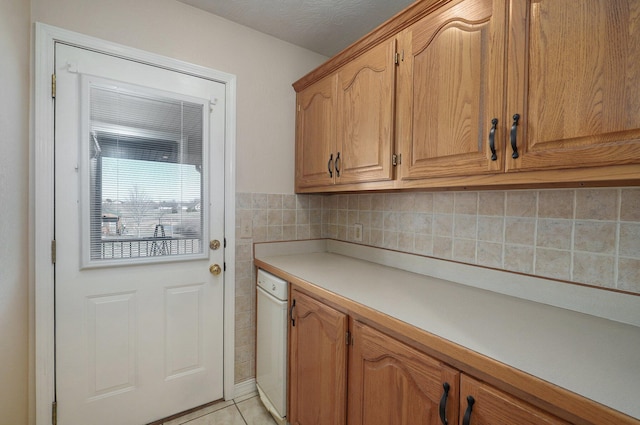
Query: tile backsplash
[{"x": 589, "y": 236}]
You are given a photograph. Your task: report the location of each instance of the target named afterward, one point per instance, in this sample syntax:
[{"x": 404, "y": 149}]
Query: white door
[{"x": 139, "y": 182}]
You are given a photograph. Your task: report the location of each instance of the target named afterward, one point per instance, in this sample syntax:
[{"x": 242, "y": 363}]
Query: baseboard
[{"x": 244, "y": 388}]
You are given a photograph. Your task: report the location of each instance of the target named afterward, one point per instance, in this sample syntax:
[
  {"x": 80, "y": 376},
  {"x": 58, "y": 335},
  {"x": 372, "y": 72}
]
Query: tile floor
[{"x": 245, "y": 410}]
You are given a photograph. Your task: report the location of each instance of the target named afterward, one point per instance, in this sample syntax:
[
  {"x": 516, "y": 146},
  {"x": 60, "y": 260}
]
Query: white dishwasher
[{"x": 271, "y": 344}]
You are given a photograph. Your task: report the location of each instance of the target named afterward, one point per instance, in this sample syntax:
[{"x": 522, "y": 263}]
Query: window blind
[{"x": 145, "y": 169}]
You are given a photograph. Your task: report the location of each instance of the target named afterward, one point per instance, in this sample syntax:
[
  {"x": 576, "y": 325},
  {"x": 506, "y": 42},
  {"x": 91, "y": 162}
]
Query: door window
[{"x": 145, "y": 165}]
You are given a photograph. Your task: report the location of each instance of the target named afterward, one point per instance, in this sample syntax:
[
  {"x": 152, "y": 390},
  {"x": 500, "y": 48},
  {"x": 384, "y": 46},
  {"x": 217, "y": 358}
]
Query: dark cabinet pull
[
  {"x": 443, "y": 404},
  {"x": 467, "y": 415},
  {"x": 338, "y": 165},
  {"x": 492, "y": 139},
  {"x": 330, "y": 165},
  {"x": 293, "y": 321},
  {"x": 514, "y": 136}
]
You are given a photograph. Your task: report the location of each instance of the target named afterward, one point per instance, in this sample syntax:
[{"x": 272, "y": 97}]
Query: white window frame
[{"x": 42, "y": 199}]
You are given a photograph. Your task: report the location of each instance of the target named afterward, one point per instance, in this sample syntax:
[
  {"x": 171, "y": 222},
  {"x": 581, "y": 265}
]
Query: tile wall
[
  {"x": 581, "y": 235},
  {"x": 271, "y": 217}
]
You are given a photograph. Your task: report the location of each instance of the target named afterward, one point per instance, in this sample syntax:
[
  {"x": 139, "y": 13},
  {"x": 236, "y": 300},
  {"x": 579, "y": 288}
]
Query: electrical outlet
[
  {"x": 246, "y": 228},
  {"x": 357, "y": 232}
]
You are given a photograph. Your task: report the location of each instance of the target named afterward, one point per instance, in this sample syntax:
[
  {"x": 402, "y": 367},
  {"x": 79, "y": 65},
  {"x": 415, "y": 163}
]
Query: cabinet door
[
  {"x": 451, "y": 87},
  {"x": 393, "y": 384},
  {"x": 493, "y": 407},
  {"x": 315, "y": 134},
  {"x": 366, "y": 98},
  {"x": 574, "y": 78},
  {"x": 318, "y": 363}
]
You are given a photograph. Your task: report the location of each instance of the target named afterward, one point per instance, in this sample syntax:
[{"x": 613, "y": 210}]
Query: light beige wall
[
  {"x": 14, "y": 190},
  {"x": 265, "y": 68}
]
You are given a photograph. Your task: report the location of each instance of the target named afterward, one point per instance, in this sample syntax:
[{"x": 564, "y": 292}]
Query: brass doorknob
[
  {"x": 214, "y": 244},
  {"x": 215, "y": 269}
]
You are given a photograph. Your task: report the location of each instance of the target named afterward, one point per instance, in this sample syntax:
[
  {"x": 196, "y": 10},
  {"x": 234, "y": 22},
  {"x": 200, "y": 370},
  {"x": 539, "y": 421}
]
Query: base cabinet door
[
  {"x": 482, "y": 404},
  {"x": 318, "y": 363},
  {"x": 391, "y": 383}
]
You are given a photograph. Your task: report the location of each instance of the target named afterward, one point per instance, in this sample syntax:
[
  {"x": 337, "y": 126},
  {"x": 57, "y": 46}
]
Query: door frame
[{"x": 42, "y": 200}]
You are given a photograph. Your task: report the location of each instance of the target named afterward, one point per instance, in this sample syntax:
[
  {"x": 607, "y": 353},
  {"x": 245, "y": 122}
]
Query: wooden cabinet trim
[
  {"x": 539, "y": 393},
  {"x": 621, "y": 175},
  {"x": 386, "y": 30}
]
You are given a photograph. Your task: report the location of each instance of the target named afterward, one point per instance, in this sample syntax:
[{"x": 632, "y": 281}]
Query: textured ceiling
[{"x": 322, "y": 26}]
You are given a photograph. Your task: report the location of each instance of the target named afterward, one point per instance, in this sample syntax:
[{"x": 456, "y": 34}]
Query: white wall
[
  {"x": 14, "y": 190},
  {"x": 265, "y": 68}
]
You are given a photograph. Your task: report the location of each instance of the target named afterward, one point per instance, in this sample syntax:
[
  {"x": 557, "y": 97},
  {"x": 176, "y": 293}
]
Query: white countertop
[{"x": 592, "y": 356}]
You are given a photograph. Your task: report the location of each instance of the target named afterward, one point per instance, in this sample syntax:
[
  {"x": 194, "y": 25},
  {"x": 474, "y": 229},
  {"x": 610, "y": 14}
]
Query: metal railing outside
[{"x": 147, "y": 247}]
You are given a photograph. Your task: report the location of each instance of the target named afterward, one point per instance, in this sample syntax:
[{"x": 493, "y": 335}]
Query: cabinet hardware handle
[
  {"x": 293, "y": 321},
  {"x": 514, "y": 136},
  {"x": 330, "y": 165},
  {"x": 338, "y": 165},
  {"x": 467, "y": 415},
  {"x": 443, "y": 404},
  {"x": 492, "y": 139}
]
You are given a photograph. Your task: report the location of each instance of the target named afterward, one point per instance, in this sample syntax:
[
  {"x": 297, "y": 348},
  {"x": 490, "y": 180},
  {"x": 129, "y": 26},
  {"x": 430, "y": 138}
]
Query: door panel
[
  {"x": 318, "y": 366},
  {"x": 366, "y": 98},
  {"x": 573, "y": 79},
  {"x": 393, "y": 384},
  {"x": 316, "y": 134},
  {"x": 450, "y": 89},
  {"x": 112, "y": 341},
  {"x": 138, "y": 315},
  {"x": 493, "y": 407},
  {"x": 183, "y": 330}
]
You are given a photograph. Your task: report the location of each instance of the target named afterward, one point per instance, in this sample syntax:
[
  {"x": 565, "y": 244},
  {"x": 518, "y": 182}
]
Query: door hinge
[
  {"x": 54, "y": 413},
  {"x": 396, "y": 159},
  {"x": 224, "y": 267},
  {"x": 224, "y": 242},
  {"x": 348, "y": 338},
  {"x": 53, "y": 86},
  {"x": 398, "y": 57},
  {"x": 53, "y": 251}
]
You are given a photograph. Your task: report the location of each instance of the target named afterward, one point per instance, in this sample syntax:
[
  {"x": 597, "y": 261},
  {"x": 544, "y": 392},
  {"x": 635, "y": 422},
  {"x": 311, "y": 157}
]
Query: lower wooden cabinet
[
  {"x": 393, "y": 384},
  {"x": 343, "y": 371},
  {"x": 317, "y": 363},
  {"x": 482, "y": 404}
]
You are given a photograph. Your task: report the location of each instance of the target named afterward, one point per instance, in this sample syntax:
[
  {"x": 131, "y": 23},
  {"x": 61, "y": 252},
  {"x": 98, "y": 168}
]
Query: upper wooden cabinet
[
  {"x": 366, "y": 98},
  {"x": 574, "y": 78},
  {"x": 315, "y": 134},
  {"x": 485, "y": 93},
  {"x": 450, "y": 88},
  {"x": 345, "y": 123}
]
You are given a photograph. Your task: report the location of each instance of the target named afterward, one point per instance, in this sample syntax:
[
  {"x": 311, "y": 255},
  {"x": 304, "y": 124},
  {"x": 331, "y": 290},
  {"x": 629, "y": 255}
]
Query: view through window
[{"x": 146, "y": 183}]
